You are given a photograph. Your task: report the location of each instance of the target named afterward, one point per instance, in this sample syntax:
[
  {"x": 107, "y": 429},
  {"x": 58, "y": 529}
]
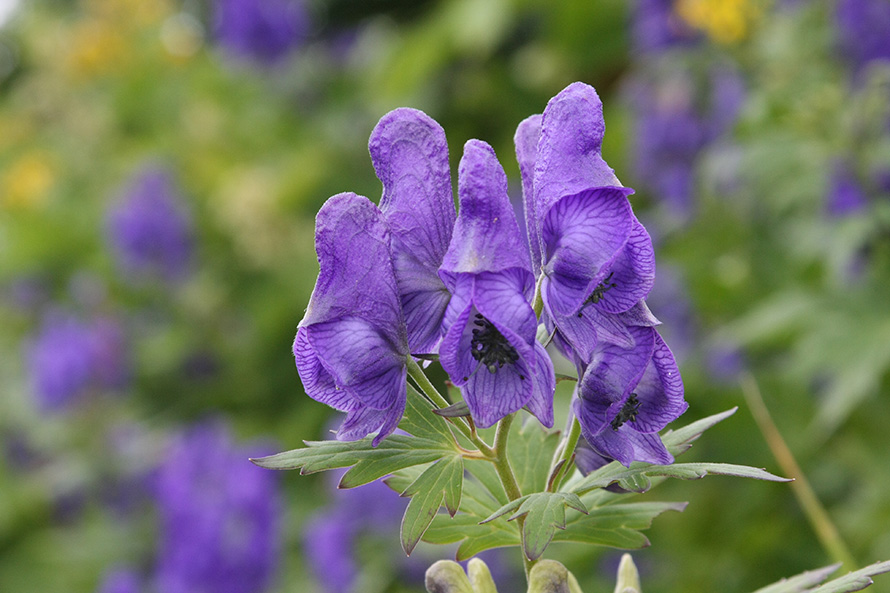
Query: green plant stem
[
  {"x": 538, "y": 303},
  {"x": 426, "y": 386},
  {"x": 508, "y": 478},
  {"x": 564, "y": 454},
  {"x": 818, "y": 517}
]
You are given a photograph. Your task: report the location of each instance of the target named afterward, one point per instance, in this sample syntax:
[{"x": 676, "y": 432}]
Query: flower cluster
[
  {"x": 264, "y": 31},
  {"x": 863, "y": 31},
  {"x": 149, "y": 229},
  {"x": 69, "y": 356},
  {"x": 412, "y": 279},
  {"x": 219, "y": 516}
]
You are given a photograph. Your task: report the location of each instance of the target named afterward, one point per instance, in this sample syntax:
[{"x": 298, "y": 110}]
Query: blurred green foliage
[{"x": 92, "y": 90}]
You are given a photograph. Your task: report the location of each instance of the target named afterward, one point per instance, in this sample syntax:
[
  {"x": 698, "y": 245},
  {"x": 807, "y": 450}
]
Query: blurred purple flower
[
  {"x": 220, "y": 516},
  {"x": 264, "y": 31},
  {"x": 863, "y": 30},
  {"x": 149, "y": 229},
  {"x": 670, "y": 302},
  {"x": 120, "y": 580},
  {"x": 68, "y": 356},
  {"x": 725, "y": 361},
  {"x": 332, "y": 536},
  {"x": 845, "y": 194},
  {"x": 675, "y": 121},
  {"x": 655, "y": 27}
]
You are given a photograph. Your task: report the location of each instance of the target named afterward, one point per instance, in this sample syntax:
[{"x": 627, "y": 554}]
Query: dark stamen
[
  {"x": 490, "y": 347},
  {"x": 598, "y": 292},
  {"x": 628, "y": 413}
]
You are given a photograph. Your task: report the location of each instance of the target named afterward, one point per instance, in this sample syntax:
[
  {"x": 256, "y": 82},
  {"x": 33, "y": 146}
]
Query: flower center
[
  {"x": 598, "y": 292},
  {"x": 628, "y": 413},
  {"x": 490, "y": 347}
]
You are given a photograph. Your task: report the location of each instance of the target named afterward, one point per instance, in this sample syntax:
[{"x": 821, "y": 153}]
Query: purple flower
[
  {"x": 329, "y": 545},
  {"x": 864, "y": 30},
  {"x": 68, "y": 357},
  {"x": 219, "y": 516},
  {"x": 351, "y": 347},
  {"x": 845, "y": 194},
  {"x": 656, "y": 27},
  {"x": 332, "y": 537},
  {"x": 410, "y": 155},
  {"x": 149, "y": 229},
  {"x": 676, "y": 120},
  {"x": 596, "y": 259},
  {"x": 489, "y": 349},
  {"x": 264, "y": 31},
  {"x": 120, "y": 580},
  {"x": 627, "y": 395}
]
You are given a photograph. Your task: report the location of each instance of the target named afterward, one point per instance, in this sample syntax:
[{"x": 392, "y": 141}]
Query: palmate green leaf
[
  {"x": 531, "y": 452},
  {"x": 430, "y": 439},
  {"x": 421, "y": 421},
  {"x": 442, "y": 480},
  {"x": 808, "y": 582},
  {"x": 616, "y": 525},
  {"x": 680, "y": 440},
  {"x": 636, "y": 478},
  {"x": 477, "y": 503},
  {"x": 544, "y": 513}
]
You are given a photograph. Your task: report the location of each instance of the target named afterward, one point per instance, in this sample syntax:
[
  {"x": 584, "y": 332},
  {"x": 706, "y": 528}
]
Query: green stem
[
  {"x": 538, "y": 303},
  {"x": 426, "y": 386},
  {"x": 564, "y": 455},
  {"x": 818, "y": 517},
  {"x": 508, "y": 478}
]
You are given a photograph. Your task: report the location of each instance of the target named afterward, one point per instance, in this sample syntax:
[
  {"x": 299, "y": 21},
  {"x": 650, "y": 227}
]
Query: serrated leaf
[
  {"x": 679, "y": 441},
  {"x": 808, "y": 582},
  {"x": 544, "y": 513},
  {"x": 637, "y": 474},
  {"x": 403, "y": 450},
  {"x": 635, "y": 515},
  {"x": 802, "y": 582},
  {"x": 623, "y": 538},
  {"x": 531, "y": 452},
  {"x": 476, "y": 504},
  {"x": 854, "y": 581},
  {"x": 457, "y": 410},
  {"x": 616, "y": 525},
  {"x": 429, "y": 441},
  {"x": 441, "y": 481},
  {"x": 421, "y": 421}
]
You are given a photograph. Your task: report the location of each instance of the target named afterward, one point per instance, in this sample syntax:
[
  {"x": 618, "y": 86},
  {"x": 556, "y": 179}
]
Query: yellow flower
[
  {"x": 97, "y": 47},
  {"x": 26, "y": 182},
  {"x": 724, "y": 21}
]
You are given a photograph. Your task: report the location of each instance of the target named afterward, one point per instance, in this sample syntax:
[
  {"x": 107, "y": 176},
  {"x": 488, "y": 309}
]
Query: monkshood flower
[
  {"x": 489, "y": 349},
  {"x": 863, "y": 30},
  {"x": 627, "y": 395},
  {"x": 410, "y": 155},
  {"x": 331, "y": 540},
  {"x": 220, "y": 517},
  {"x": 845, "y": 194},
  {"x": 149, "y": 229},
  {"x": 676, "y": 121},
  {"x": 595, "y": 258},
  {"x": 656, "y": 27},
  {"x": 264, "y": 31},
  {"x": 351, "y": 347},
  {"x": 69, "y": 356}
]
